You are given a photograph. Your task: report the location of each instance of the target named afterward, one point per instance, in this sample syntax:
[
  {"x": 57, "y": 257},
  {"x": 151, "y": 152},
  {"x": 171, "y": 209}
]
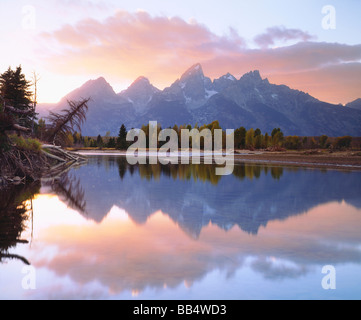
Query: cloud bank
[
  {"x": 274, "y": 34},
  {"x": 127, "y": 45}
]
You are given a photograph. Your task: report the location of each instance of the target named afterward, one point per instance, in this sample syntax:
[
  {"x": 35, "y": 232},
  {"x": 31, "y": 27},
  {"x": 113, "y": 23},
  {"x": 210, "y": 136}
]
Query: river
[{"x": 109, "y": 230}]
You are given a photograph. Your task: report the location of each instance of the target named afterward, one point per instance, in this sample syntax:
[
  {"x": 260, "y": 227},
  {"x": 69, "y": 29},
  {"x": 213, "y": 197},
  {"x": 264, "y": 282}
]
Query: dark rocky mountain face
[
  {"x": 251, "y": 102},
  {"x": 223, "y": 82},
  {"x": 193, "y": 88},
  {"x": 140, "y": 94}
]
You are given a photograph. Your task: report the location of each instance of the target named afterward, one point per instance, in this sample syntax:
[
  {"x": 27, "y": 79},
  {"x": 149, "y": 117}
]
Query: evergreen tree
[
  {"x": 240, "y": 138},
  {"x": 16, "y": 93},
  {"x": 41, "y": 129},
  {"x": 257, "y": 132},
  {"x": 93, "y": 144},
  {"x": 100, "y": 142},
  {"x": 122, "y": 138},
  {"x": 111, "y": 143},
  {"x": 275, "y": 131}
]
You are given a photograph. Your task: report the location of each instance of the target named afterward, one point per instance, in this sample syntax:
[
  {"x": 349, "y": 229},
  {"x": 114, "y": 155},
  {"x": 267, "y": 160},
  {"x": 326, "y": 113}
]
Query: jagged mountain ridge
[
  {"x": 355, "y": 104},
  {"x": 251, "y": 101},
  {"x": 139, "y": 94}
]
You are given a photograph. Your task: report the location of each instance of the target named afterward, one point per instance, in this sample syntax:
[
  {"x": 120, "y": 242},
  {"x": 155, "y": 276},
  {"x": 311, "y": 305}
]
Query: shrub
[
  {"x": 343, "y": 142},
  {"x": 292, "y": 143},
  {"x": 27, "y": 144},
  {"x": 323, "y": 141}
]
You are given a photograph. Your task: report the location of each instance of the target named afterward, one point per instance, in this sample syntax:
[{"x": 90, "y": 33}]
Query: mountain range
[{"x": 251, "y": 101}]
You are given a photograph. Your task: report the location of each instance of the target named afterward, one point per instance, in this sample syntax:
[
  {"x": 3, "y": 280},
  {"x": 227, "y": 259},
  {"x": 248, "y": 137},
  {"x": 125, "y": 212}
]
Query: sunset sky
[{"x": 69, "y": 42}]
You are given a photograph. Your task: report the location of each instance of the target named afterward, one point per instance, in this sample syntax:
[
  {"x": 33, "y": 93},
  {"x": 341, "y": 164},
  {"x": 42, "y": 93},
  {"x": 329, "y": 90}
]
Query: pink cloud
[
  {"x": 134, "y": 44},
  {"x": 274, "y": 34},
  {"x": 127, "y": 45},
  {"x": 121, "y": 255}
]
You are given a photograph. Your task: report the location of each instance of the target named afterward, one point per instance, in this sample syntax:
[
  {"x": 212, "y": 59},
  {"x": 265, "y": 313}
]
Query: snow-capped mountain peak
[
  {"x": 196, "y": 71},
  {"x": 140, "y": 93}
]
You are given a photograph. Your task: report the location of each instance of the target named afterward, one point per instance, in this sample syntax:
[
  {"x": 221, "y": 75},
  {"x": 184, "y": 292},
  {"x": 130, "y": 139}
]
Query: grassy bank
[
  {"x": 28, "y": 159},
  {"x": 21, "y": 160}
]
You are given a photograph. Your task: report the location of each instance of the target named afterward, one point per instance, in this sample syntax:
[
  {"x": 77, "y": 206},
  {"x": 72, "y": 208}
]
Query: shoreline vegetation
[
  {"x": 25, "y": 156},
  {"x": 249, "y": 146},
  {"x": 19, "y": 166}
]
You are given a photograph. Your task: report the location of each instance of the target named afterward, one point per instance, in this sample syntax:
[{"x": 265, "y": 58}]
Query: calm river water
[{"x": 108, "y": 230}]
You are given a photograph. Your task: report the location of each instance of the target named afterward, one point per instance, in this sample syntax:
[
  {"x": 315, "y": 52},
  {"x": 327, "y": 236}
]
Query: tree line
[
  {"x": 199, "y": 172},
  {"x": 251, "y": 139}
]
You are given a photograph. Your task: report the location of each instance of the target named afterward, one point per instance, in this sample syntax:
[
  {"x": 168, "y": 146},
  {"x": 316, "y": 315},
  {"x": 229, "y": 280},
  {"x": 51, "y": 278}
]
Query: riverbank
[
  {"x": 350, "y": 160},
  {"x": 306, "y": 158},
  {"x": 19, "y": 166}
]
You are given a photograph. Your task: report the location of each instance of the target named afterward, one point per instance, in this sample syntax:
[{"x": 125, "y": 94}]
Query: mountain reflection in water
[
  {"x": 193, "y": 196},
  {"x": 108, "y": 229}
]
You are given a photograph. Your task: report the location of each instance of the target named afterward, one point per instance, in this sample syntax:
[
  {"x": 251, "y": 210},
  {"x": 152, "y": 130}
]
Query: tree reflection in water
[
  {"x": 15, "y": 212},
  {"x": 197, "y": 172},
  {"x": 16, "y": 209},
  {"x": 68, "y": 188}
]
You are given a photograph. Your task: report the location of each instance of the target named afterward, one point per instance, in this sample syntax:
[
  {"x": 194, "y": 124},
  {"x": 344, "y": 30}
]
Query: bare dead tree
[
  {"x": 35, "y": 79},
  {"x": 69, "y": 120},
  {"x": 69, "y": 188}
]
